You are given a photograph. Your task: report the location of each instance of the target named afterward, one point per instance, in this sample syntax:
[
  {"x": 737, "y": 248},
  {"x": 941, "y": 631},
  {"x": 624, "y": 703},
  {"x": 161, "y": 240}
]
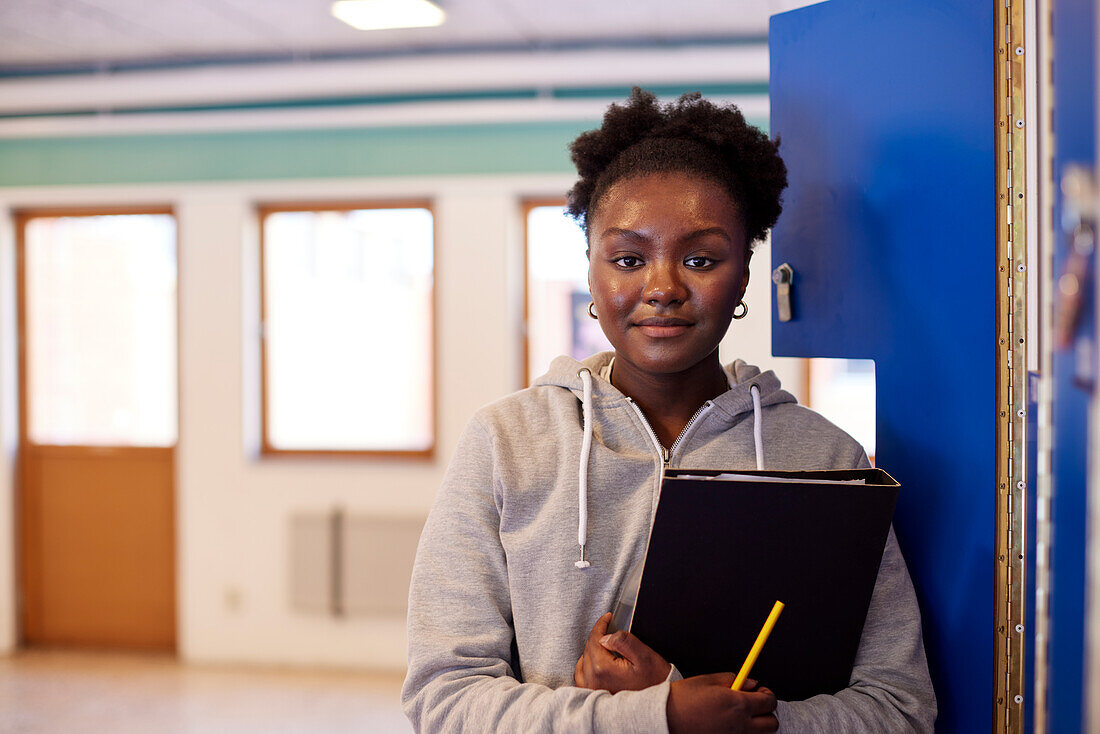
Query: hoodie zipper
[{"x": 666, "y": 454}]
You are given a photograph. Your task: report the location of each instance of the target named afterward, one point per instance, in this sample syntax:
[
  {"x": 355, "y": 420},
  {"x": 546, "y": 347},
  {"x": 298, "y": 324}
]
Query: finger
[
  {"x": 599, "y": 629},
  {"x": 625, "y": 644},
  {"x": 749, "y": 684},
  {"x": 595, "y": 662},
  {"x": 578, "y": 672},
  {"x": 759, "y": 703},
  {"x": 596, "y": 654},
  {"x": 725, "y": 679},
  {"x": 767, "y": 724},
  {"x": 719, "y": 679}
]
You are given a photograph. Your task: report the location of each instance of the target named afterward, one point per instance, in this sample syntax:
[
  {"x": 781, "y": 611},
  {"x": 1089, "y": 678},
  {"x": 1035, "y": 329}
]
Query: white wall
[{"x": 233, "y": 508}]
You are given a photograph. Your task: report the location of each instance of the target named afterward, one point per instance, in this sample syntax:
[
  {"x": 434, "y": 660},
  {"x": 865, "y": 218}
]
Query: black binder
[{"x": 722, "y": 551}]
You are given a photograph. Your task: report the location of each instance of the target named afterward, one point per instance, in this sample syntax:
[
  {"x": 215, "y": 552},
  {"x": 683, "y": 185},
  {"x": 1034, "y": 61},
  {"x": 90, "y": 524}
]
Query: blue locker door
[{"x": 886, "y": 114}]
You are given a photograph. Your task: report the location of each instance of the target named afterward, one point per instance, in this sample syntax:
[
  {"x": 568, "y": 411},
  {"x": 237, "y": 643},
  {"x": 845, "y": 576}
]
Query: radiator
[{"x": 344, "y": 564}]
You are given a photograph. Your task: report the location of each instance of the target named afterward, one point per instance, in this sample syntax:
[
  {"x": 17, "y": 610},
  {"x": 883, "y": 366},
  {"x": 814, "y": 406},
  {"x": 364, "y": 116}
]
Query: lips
[{"x": 663, "y": 327}]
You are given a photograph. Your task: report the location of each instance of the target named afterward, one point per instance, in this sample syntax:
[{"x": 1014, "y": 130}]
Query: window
[
  {"x": 99, "y": 320},
  {"x": 557, "y": 290},
  {"x": 843, "y": 390},
  {"x": 348, "y": 328}
]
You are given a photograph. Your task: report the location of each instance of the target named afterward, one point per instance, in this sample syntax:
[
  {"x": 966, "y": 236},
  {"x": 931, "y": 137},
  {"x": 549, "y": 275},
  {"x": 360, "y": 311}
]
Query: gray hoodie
[{"x": 502, "y": 599}]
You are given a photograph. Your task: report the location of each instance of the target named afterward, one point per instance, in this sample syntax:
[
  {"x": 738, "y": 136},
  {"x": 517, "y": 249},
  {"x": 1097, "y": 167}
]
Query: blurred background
[{"x": 257, "y": 269}]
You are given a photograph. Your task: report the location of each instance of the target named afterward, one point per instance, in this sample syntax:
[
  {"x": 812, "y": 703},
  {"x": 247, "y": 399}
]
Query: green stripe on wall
[{"x": 368, "y": 152}]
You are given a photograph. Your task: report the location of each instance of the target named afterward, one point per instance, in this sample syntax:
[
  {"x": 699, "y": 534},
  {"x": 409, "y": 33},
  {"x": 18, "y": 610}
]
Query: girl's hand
[
  {"x": 705, "y": 703},
  {"x": 618, "y": 662}
]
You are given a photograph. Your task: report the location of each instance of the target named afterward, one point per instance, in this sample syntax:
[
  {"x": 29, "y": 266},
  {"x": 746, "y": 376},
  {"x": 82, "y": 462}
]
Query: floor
[{"x": 55, "y": 692}]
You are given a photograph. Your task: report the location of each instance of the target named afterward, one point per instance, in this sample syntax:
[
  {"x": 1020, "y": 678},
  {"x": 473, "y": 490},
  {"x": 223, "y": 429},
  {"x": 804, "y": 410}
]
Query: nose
[{"x": 664, "y": 286}]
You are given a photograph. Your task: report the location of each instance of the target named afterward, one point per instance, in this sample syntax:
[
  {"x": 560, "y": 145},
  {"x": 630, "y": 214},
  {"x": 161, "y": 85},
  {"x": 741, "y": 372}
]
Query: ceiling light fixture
[{"x": 377, "y": 15}]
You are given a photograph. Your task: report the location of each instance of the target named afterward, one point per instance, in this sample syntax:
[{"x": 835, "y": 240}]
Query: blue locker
[{"x": 886, "y": 113}]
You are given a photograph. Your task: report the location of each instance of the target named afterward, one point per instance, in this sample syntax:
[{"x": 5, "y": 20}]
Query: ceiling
[
  {"x": 66, "y": 35},
  {"x": 110, "y": 67}
]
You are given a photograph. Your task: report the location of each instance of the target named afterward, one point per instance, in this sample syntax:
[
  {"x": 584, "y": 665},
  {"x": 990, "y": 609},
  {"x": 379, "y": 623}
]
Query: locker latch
[{"x": 782, "y": 277}]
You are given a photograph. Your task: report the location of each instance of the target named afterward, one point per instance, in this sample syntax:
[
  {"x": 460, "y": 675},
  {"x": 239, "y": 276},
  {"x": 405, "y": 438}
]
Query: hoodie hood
[{"x": 749, "y": 389}]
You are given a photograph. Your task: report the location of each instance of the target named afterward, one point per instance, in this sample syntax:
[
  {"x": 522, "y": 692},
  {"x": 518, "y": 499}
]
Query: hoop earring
[
  {"x": 744, "y": 313},
  {"x": 592, "y": 310}
]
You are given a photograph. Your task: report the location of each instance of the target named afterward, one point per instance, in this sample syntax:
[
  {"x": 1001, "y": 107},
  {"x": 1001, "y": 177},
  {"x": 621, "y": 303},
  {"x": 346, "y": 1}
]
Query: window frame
[
  {"x": 526, "y": 205},
  {"x": 22, "y": 217},
  {"x": 267, "y": 449}
]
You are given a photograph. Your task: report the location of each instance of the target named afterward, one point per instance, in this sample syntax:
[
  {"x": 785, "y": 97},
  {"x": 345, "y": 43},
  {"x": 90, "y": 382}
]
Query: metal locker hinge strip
[{"x": 1011, "y": 258}]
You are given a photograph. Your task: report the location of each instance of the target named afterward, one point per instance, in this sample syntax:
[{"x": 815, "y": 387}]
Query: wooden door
[{"x": 98, "y": 419}]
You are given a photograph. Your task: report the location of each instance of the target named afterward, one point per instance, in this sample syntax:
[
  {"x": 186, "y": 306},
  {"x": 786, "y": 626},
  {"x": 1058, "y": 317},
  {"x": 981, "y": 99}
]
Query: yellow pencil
[{"x": 757, "y": 646}]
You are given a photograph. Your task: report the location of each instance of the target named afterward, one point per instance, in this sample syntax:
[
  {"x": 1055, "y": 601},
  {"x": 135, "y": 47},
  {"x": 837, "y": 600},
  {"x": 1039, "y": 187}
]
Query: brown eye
[
  {"x": 627, "y": 261},
  {"x": 698, "y": 261}
]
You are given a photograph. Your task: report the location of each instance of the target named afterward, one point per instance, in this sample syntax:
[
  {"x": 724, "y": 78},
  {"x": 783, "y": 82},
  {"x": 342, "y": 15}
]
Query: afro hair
[{"x": 691, "y": 135}]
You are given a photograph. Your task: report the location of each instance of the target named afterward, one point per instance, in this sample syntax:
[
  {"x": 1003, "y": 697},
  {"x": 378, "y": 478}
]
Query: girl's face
[{"x": 668, "y": 262}]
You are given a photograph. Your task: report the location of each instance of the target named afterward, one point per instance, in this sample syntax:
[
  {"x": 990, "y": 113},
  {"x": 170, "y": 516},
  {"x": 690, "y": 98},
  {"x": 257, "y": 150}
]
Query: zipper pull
[{"x": 666, "y": 455}]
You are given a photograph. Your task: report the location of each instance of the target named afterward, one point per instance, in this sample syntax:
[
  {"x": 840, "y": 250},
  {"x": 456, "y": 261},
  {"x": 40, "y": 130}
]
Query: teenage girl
[{"x": 547, "y": 504}]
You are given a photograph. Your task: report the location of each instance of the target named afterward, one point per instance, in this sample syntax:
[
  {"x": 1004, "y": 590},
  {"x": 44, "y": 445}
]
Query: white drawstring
[
  {"x": 586, "y": 450},
  {"x": 757, "y": 427}
]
